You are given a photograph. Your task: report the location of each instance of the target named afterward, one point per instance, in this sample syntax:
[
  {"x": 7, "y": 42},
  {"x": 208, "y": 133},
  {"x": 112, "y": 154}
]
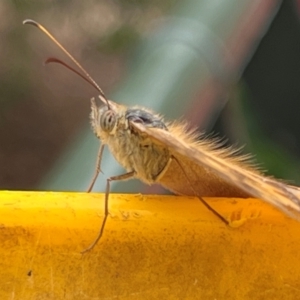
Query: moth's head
[{"x": 105, "y": 117}]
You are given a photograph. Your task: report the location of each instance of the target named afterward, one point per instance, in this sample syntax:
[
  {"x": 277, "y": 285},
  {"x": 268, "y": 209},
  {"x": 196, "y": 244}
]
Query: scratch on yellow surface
[{"x": 154, "y": 247}]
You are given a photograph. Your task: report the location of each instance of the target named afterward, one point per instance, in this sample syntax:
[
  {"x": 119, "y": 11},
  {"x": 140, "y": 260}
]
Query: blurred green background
[{"x": 229, "y": 67}]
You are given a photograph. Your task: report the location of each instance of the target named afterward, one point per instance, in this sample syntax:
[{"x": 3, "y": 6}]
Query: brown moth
[{"x": 155, "y": 151}]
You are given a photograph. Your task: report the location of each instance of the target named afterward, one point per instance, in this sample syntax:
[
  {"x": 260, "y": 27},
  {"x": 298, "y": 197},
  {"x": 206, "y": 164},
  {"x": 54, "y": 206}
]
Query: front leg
[
  {"x": 121, "y": 177},
  {"x": 98, "y": 168}
]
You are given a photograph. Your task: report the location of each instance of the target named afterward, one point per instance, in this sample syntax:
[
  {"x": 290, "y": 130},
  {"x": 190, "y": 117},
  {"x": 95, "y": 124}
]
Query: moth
[{"x": 166, "y": 153}]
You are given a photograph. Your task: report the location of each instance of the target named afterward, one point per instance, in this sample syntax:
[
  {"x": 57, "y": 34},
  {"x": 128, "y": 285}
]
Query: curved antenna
[
  {"x": 88, "y": 77},
  {"x": 58, "y": 61}
]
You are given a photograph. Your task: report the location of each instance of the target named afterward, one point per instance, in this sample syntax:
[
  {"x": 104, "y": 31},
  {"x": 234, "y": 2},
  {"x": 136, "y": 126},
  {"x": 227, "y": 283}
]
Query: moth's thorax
[{"x": 132, "y": 149}]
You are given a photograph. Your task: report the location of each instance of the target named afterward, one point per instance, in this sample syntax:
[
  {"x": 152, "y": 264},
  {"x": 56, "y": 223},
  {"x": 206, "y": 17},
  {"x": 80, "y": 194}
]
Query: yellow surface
[{"x": 154, "y": 247}]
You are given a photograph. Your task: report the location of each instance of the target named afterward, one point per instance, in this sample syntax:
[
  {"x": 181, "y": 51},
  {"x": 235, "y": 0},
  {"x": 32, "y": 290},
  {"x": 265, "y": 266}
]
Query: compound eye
[{"x": 108, "y": 121}]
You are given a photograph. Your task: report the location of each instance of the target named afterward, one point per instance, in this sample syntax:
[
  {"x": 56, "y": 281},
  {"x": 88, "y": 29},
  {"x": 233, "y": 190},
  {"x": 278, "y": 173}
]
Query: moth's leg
[
  {"x": 198, "y": 196},
  {"x": 98, "y": 169},
  {"x": 164, "y": 170},
  {"x": 125, "y": 176}
]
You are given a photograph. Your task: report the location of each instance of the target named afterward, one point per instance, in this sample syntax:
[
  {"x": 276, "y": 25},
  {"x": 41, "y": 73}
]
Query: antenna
[
  {"x": 58, "y": 61},
  {"x": 87, "y": 76}
]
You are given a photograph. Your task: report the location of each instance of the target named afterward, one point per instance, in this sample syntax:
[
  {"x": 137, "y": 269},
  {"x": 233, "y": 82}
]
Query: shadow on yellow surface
[{"x": 154, "y": 247}]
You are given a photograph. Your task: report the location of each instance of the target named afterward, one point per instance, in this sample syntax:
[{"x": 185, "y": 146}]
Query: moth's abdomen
[
  {"x": 196, "y": 178},
  {"x": 186, "y": 176}
]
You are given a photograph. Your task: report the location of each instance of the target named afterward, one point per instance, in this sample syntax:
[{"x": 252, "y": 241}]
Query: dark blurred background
[{"x": 45, "y": 109}]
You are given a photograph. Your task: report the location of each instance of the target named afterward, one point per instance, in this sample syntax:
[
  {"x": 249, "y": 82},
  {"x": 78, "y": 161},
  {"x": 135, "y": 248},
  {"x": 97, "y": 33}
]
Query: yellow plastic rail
[{"x": 154, "y": 247}]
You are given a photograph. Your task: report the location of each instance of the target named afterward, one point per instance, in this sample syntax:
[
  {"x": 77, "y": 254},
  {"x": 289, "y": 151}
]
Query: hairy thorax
[{"x": 134, "y": 151}]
